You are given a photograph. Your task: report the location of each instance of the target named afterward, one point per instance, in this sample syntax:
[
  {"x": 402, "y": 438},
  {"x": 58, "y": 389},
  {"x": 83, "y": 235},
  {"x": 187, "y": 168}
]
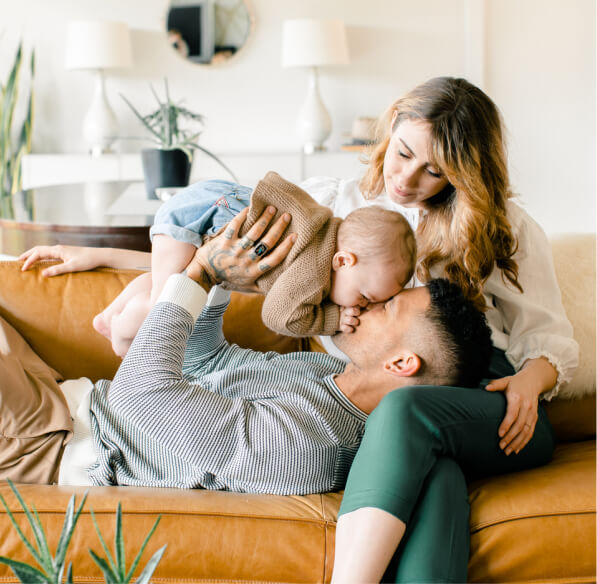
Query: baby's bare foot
[{"x": 102, "y": 325}]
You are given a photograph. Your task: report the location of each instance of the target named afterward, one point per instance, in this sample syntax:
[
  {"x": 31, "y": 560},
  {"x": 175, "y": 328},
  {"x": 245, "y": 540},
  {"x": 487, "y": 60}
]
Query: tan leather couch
[{"x": 534, "y": 526}]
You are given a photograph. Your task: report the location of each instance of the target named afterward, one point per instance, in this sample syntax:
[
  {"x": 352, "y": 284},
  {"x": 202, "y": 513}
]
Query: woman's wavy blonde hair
[{"x": 466, "y": 229}]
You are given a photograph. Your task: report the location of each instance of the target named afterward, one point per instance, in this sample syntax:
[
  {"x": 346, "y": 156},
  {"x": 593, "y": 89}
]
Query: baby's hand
[{"x": 349, "y": 318}]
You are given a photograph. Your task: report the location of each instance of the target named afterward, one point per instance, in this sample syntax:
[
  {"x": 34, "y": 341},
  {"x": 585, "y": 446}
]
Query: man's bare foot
[{"x": 102, "y": 325}]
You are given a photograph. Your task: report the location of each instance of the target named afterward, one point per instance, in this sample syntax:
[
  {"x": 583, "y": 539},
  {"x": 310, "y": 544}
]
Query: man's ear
[
  {"x": 403, "y": 364},
  {"x": 343, "y": 259}
]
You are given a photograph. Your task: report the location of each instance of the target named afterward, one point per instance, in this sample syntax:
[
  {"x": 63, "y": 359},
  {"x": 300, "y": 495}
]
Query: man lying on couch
[{"x": 220, "y": 417}]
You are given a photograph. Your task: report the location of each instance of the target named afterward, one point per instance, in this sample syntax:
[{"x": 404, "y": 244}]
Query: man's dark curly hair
[{"x": 463, "y": 331}]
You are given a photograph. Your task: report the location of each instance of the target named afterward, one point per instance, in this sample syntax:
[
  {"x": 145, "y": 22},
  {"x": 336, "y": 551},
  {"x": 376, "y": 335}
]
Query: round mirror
[{"x": 208, "y": 31}]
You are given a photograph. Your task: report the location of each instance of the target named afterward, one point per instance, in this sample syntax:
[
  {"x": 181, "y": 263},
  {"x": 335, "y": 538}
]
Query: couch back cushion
[
  {"x": 574, "y": 261},
  {"x": 572, "y": 413},
  {"x": 54, "y": 316}
]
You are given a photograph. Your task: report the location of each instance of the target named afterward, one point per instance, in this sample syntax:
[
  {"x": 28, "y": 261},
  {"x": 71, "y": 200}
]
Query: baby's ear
[{"x": 343, "y": 259}]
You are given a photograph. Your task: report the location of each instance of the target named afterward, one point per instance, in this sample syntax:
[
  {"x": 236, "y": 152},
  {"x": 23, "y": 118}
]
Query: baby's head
[{"x": 375, "y": 257}]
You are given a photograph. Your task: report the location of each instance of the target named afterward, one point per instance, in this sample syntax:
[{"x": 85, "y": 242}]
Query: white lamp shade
[
  {"x": 98, "y": 45},
  {"x": 314, "y": 43}
]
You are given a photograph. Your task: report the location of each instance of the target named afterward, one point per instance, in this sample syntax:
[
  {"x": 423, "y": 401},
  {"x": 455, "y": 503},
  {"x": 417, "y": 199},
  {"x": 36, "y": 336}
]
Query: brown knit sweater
[{"x": 296, "y": 291}]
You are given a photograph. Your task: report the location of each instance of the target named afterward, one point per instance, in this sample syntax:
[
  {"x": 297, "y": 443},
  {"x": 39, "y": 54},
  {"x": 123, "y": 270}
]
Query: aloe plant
[
  {"x": 167, "y": 130},
  {"x": 11, "y": 152},
  {"x": 52, "y": 568},
  {"x": 114, "y": 568}
]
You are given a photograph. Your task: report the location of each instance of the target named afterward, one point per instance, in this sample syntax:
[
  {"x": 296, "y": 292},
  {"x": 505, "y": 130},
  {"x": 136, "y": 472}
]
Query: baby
[{"x": 334, "y": 269}]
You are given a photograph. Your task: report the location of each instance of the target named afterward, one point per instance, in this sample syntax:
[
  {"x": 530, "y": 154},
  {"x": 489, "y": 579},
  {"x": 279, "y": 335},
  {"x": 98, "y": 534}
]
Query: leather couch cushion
[
  {"x": 54, "y": 315},
  {"x": 536, "y": 525}
]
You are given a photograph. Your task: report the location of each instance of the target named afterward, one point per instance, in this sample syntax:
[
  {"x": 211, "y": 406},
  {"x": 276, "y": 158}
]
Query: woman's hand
[
  {"x": 74, "y": 259},
  {"x": 522, "y": 392},
  {"x": 237, "y": 262},
  {"x": 79, "y": 259},
  {"x": 349, "y": 318}
]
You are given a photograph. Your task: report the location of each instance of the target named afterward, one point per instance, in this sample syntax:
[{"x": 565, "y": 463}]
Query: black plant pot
[{"x": 164, "y": 168}]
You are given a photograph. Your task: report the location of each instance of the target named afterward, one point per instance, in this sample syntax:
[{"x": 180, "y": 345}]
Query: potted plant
[
  {"x": 11, "y": 149},
  {"x": 175, "y": 131}
]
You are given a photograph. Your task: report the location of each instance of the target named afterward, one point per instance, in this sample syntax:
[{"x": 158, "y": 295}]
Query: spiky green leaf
[
  {"x": 142, "y": 549},
  {"x": 10, "y": 95},
  {"x": 68, "y": 527},
  {"x": 119, "y": 544},
  {"x": 140, "y": 117},
  {"x": 26, "y": 573},
  {"x": 69, "y": 573},
  {"x": 24, "y": 539},
  {"x": 11, "y": 154},
  {"x": 150, "y": 567},
  {"x": 103, "y": 542},
  {"x": 110, "y": 576}
]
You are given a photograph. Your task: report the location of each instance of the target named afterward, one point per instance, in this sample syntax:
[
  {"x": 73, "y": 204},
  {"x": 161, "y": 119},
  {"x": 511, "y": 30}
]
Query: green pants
[{"x": 418, "y": 445}]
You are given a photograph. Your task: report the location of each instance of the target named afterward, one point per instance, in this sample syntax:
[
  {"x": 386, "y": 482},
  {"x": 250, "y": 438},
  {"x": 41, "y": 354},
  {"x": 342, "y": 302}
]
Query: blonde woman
[{"x": 441, "y": 161}]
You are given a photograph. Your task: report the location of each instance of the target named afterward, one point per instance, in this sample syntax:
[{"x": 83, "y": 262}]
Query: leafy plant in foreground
[
  {"x": 52, "y": 568},
  {"x": 114, "y": 568}
]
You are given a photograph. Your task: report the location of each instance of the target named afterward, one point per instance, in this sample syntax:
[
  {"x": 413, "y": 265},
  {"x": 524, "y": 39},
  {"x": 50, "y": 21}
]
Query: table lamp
[
  {"x": 98, "y": 45},
  {"x": 314, "y": 43}
]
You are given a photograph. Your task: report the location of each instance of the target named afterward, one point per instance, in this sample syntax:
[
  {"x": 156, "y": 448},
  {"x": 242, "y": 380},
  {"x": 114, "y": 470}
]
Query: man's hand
[
  {"x": 349, "y": 318},
  {"x": 237, "y": 262}
]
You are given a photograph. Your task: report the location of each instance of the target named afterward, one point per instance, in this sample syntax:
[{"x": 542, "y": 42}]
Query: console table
[
  {"x": 89, "y": 214},
  {"x": 249, "y": 167}
]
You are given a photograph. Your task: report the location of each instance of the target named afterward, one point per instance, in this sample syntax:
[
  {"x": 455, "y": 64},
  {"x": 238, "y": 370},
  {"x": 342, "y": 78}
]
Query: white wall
[{"x": 536, "y": 58}]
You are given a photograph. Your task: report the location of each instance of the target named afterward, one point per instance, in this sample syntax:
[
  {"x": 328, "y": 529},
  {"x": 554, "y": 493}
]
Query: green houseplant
[
  {"x": 175, "y": 131},
  {"x": 11, "y": 149},
  {"x": 52, "y": 569}
]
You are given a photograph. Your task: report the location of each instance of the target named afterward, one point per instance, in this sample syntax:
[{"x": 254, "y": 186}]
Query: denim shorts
[{"x": 200, "y": 209}]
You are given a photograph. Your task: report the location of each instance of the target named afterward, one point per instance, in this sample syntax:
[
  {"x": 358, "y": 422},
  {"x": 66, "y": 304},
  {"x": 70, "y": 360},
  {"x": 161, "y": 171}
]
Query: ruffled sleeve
[{"x": 532, "y": 324}]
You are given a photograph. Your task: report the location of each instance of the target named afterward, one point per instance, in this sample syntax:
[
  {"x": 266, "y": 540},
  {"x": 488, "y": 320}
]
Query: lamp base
[
  {"x": 314, "y": 124},
  {"x": 100, "y": 151},
  {"x": 311, "y": 148},
  {"x": 100, "y": 127}
]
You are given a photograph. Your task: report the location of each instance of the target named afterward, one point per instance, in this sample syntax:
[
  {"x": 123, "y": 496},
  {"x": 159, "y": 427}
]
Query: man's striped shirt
[{"x": 217, "y": 416}]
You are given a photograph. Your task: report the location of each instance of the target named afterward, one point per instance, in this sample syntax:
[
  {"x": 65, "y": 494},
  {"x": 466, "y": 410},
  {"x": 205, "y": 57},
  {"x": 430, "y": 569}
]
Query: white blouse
[{"x": 525, "y": 326}]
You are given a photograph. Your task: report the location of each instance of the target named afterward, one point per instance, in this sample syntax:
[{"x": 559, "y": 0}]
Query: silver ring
[
  {"x": 246, "y": 243},
  {"x": 260, "y": 249}
]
